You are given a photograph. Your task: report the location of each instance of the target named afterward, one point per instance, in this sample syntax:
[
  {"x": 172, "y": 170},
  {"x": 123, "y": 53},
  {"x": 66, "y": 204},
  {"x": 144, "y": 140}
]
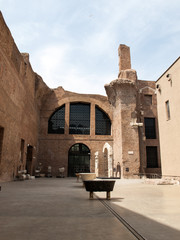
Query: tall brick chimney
[
  {"x": 122, "y": 96},
  {"x": 124, "y": 57}
]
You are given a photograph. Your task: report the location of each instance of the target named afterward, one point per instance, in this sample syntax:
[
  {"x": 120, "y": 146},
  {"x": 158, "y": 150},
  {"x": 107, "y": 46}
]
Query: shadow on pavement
[{"x": 148, "y": 228}]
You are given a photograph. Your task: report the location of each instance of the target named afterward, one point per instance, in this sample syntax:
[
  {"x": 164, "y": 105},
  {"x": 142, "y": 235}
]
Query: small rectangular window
[
  {"x": 168, "y": 110},
  {"x": 148, "y": 99},
  {"x": 150, "y": 128},
  {"x": 29, "y": 159},
  {"x": 151, "y": 157},
  {"x": 1, "y": 140}
]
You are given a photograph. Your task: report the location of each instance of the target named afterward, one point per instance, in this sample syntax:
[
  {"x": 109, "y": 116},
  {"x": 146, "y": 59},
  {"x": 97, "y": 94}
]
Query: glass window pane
[
  {"x": 79, "y": 118},
  {"x": 103, "y": 123},
  {"x": 56, "y": 122},
  {"x": 79, "y": 159},
  {"x": 150, "y": 128}
]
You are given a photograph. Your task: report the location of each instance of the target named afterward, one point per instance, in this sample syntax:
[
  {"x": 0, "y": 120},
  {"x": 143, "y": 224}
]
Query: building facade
[
  {"x": 168, "y": 97},
  {"x": 135, "y": 123},
  {"x": 21, "y": 93},
  {"x": 56, "y": 128},
  {"x": 75, "y": 133}
]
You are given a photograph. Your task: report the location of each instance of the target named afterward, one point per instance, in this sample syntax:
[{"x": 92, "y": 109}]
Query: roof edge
[{"x": 168, "y": 68}]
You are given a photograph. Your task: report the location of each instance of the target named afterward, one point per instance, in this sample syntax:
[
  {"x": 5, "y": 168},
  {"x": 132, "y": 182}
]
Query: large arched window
[
  {"x": 79, "y": 121},
  {"x": 103, "y": 123},
  {"x": 56, "y": 122}
]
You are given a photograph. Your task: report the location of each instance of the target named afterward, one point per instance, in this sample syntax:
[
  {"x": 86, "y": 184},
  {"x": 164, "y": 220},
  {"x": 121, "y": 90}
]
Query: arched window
[
  {"x": 79, "y": 122},
  {"x": 56, "y": 122},
  {"x": 103, "y": 123}
]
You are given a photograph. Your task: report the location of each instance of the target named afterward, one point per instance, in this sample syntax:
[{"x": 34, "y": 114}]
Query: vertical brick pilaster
[
  {"x": 67, "y": 109},
  {"x": 92, "y": 120}
]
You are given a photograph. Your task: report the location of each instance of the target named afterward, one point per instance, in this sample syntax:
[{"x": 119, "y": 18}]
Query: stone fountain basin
[
  {"x": 99, "y": 185},
  {"x": 87, "y": 176}
]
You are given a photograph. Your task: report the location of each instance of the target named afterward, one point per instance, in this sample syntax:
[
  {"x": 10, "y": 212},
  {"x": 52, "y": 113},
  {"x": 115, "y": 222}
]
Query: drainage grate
[{"x": 122, "y": 220}]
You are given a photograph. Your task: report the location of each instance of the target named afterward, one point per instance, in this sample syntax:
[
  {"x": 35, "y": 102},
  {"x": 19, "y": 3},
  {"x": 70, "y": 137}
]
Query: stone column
[
  {"x": 67, "y": 109},
  {"x": 92, "y": 120},
  {"x": 124, "y": 57}
]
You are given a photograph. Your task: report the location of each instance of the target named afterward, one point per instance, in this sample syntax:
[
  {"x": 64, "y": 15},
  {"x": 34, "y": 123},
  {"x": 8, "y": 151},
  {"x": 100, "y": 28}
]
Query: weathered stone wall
[
  {"x": 122, "y": 94},
  {"x": 54, "y": 148},
  {"x": 124, "y": 58},
  {"x": 127, "y": 97},
  {"x": 19, "y": 113}
]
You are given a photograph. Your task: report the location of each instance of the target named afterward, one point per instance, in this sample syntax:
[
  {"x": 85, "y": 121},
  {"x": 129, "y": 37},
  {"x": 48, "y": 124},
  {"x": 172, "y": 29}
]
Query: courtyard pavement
[{"x": 59, "y": 208}]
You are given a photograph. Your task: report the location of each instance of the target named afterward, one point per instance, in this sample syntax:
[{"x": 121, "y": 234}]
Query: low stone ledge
[{"x": 161, "y": 181}]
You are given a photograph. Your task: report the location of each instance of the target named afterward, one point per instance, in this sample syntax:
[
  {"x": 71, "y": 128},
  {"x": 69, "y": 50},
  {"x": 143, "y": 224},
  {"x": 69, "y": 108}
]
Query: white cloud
[
  {"x": 53, "y": 65},
  {"x": 76, "y": 82},
  {"x": 50, "y": 60},
  {"x": 74, "y": 43}
]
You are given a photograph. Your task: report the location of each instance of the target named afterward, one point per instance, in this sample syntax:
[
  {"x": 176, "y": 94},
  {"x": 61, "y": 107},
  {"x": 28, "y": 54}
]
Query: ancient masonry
[{"x": 39, "y": 128}]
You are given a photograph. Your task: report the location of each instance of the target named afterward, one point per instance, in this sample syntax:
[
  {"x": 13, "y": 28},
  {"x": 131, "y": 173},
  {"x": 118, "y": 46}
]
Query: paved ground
[
  {"x": 153, "y": 210},
  {"x": 53, "y": 209}
]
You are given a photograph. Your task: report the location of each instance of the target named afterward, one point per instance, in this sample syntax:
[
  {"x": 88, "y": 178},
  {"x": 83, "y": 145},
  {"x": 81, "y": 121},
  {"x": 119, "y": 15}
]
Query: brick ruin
[{"x": 27, "y": 105}]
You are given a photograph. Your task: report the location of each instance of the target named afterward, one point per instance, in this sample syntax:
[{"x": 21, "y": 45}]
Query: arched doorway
[
  {"x": 78, "y": 159},
  {"x": 108, "y": 160},
  {"x": 29, "y": 159}
]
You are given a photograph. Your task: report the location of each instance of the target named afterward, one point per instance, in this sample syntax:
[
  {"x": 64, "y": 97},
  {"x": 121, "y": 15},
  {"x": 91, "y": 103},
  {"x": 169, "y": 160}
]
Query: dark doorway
[
  {"x": 152, "y": 159},
  {"x": 29, "y": 159},
  {"x": 78, "y": 160},
  {"x": 1, "y": 140}
]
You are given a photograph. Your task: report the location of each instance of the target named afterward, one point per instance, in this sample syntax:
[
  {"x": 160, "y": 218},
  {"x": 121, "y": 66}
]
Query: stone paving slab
[
  {"x": 153, "y": 210},
  {"x": 55, "y": 209}
]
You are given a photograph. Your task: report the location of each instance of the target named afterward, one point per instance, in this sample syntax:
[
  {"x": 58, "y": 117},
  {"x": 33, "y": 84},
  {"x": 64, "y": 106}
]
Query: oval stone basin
[{"x": 87, "y": 176}]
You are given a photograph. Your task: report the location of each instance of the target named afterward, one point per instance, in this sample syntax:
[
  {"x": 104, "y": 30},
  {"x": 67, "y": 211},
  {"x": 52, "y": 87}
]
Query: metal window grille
[
  {"x": 56, "y": 122},
  {"x": 150, "y": 128},
  {"x": 103, "y": 123},
  {"x": 79, "y": 122},
  {"x": 79, "y": 159}
]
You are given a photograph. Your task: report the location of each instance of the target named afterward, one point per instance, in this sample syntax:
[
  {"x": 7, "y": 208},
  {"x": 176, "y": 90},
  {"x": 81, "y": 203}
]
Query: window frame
[
  {"x": 81, "y": 124},
  {"x": 149, "y": 163},
  {"x": 106, "y": 122},
  {"x": 61, "y": 129},
  {"x": 168, "y": 114},
  {"x": 1, "y": 141},
  {"x": 150, "y": 131},
  {"x": 149, "y": 103}
]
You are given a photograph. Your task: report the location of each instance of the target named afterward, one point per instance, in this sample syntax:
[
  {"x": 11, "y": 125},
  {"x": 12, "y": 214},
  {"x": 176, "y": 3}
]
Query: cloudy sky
[{"x": 74, "y": 43}]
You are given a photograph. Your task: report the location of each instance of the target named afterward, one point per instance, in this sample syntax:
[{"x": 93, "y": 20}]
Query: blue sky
[{"x": 74, "y": 43}]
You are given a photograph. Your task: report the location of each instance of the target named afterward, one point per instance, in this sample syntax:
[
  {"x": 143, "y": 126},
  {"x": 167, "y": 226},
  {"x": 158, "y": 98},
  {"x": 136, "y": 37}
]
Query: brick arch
[
  {"x": 56, "y": 101},
  {"x": 107, "y": 150}
]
